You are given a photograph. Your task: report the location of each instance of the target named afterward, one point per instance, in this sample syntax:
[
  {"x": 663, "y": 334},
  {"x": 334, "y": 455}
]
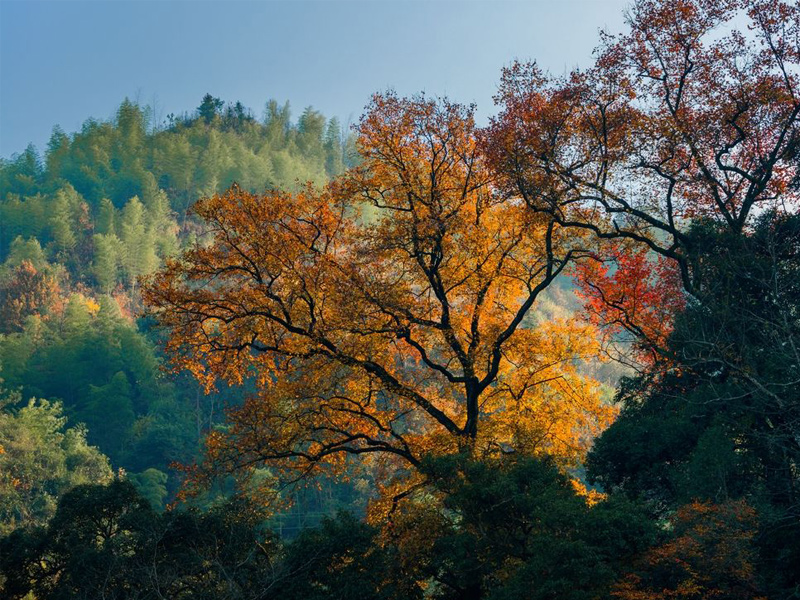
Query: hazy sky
[{"x": 64, "y": 61}]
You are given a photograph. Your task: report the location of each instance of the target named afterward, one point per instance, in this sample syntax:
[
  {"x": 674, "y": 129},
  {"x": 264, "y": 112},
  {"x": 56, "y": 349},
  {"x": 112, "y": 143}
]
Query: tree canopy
[{"x": 385, "y": 313}]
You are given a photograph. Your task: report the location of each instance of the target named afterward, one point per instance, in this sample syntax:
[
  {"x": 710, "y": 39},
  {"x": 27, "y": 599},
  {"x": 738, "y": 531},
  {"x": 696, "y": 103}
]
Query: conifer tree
[
  {"x": 105, "y": 266},
  {"x": 105, "y": 222},
  {"x": 138, "y": 253},
  {"x": 334, "y": 162}
]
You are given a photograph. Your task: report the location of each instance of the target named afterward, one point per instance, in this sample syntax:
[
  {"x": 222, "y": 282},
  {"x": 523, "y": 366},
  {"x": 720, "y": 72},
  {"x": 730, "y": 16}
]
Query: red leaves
[
  {"x": 633, "y": 291},
  {"x": 683, "y": 118}
]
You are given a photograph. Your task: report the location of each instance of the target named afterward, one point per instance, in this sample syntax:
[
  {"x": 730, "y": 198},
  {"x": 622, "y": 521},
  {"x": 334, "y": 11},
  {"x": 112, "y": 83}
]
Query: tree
[
  {"x": 108, "y": 375},
  {"x": 105, "y": 266},
  {"x": 678, "y": 151},
  {"x": 400, "y": 331},
  {"x": 209, "y": 108},
  {"x": 514, "y": 527},
  {"x": 57, "y": 151},
  {"x": 684, "y": 117},
  {"x": 720, "y": 422},
  {"x": 108, "y": 411},
  {"x": 63, "y": 220},
  {"x": 105, "y": 541},
  {"x": 41, "y": 459},
  {"x": 277, "y": 122},
  {"x": 710, "y": 555},
  {"x": 105, "y": 223},
  {"x": 89, "y": 549},
  {"x": 151, "y": 485},
  {"x": 334, "y": 153},
  {"x": 26, "y": 292},
  {"x": 22, "y": 173},
  {"x": 311, "y": 134},
  {"x": 509, "y": 528},
  {"x": 340, "y": 559},
  {"x": 138, "y": 255},
  {"x": 26, "y": 250}
]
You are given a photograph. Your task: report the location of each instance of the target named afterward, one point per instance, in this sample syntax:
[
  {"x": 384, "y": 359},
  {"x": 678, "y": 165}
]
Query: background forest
[
  {"x": 553, "y": 357},
  {"x": 78, "y": 226}
]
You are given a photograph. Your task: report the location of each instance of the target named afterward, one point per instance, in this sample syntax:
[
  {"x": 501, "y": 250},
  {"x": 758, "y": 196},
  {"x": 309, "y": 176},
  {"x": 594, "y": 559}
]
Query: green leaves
[
  {"x": 40, "y": 459},
  {"x": 515, "y": 527}
]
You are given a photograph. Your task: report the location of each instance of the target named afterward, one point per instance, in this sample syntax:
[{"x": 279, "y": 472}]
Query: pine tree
[
  {"x": 105, "y": 222},
  {"x": 138, "y": 254},
  {"x": 105, "y": 266},
  {"x": 334, "y": 163}
]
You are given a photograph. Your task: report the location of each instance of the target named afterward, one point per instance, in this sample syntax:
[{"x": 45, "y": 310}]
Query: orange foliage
[
  {"x": 386, "y": 314},
  {"x": 710, "y": 556}
]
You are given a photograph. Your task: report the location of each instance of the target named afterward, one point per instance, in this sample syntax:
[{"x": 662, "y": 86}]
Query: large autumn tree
[
  {"x": 692, "y": 115},
  {"x": 389, "y": 313}
]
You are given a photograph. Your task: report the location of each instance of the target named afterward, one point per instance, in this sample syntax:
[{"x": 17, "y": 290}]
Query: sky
[{"x": 62, "y": 62}]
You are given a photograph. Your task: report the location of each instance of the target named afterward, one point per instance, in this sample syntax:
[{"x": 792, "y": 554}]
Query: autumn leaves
[
  {"x": 386, "y": 313},
  {"x": 389, "y": 313}
]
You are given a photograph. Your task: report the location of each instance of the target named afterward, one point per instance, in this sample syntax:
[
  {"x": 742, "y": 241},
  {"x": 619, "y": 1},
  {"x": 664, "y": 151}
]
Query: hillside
[{"x": 102, "y": 207}]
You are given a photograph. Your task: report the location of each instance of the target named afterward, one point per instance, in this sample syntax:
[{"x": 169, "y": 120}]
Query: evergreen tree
[
  {"x": 209, "y": 108},
  {"x": 334, "y": 158},
  {"x": 105, "y": 266},
  {"x": 138, "y": 255}
]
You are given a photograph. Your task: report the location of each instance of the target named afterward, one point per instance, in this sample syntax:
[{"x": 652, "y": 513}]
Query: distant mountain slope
[{"x": 103, "y": 206}]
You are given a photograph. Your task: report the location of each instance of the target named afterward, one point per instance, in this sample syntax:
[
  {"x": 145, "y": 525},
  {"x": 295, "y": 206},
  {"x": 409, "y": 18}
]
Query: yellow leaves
[
  {"x": 393, "y": 490},
  {"x": 542, "y": 402},
  {"x": 390, "y": 339},
  {"x": 92, "y": 306},
  {"x": 592, "y": 496}
]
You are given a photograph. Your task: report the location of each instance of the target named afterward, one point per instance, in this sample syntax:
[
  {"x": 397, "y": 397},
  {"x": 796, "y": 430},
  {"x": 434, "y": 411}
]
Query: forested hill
[
  {"x": 78, "y": 225},
  {"x": 71, "y": 192}
]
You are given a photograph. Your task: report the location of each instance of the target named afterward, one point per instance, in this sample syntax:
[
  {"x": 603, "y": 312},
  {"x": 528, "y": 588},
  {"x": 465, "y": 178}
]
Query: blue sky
[{"x": 64, "y": 61}]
